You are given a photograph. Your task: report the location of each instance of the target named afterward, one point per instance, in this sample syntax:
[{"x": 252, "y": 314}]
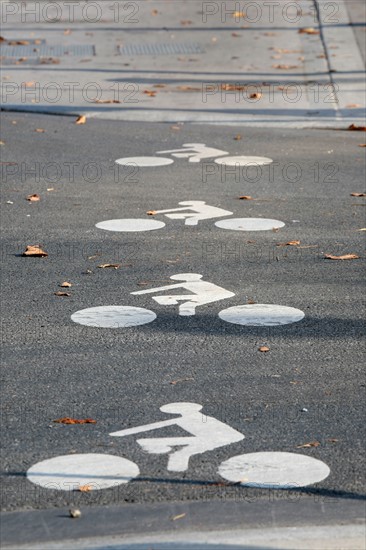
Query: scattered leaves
[
  {"x": 358, "y": 194},
  {"x": 355, "y": 128},
  {"x": 115, "y": 266},
  {"x": 68, "y": 420},
  {"x": 246, "y": 198},
  {"x": 85, "y": 488},
  {"x": 308, "y": 30},
  {"x": 65, "y": 284},
  {"x": 179, "y": 516},
  {"x": 264, "y": 349},
  {"x": 174, "y": 382},
  {"x": 344, "y": 257},
  {"x": 33, "y": 198},
  {"x": 81, "y": 119},
  {"x": 59, "y": 293},
  {"x": 308, "y": 445},
  {"x": 34, "y": 250}
]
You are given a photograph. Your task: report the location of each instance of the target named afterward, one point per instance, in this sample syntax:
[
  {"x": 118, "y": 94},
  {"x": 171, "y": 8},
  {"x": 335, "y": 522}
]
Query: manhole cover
[{"x": 160, "y": 49}]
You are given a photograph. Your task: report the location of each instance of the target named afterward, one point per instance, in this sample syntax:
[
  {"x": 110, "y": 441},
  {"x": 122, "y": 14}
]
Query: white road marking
[
  {"x": 130, "y": 225},
  {"x": 113, "y": 316},
  {"x": 195, "y": 152},
  {"x": 208, "y": 434},
  {"x": 144, "y": 161},
  {"x": 261, "y": 315},
  {"x": 69, "y": 472},
  {"x": 250, "y": 224},
  {"x": 241, "y": 160},
  {"x": 274, "y": 470},
  {"x": 202, "y": 211},
  {"x": 203, "y": 293}
]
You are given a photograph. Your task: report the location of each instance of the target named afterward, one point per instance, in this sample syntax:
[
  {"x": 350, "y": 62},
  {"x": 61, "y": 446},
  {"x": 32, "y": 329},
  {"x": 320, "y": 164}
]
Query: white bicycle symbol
[
  {"x": 275, "y": 470},
  {"x": 200, "y": 293}
]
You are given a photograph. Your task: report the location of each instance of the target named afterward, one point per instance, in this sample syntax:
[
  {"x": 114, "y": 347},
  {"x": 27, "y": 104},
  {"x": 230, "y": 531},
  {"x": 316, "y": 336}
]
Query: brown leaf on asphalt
[
  {"x": 344, "y": 257},
  {"x": 308, "y": 30},
  {"x": 2, "y": 142},
  {"x": 362, "y": 145},
  {"x": 237, "y": 14},
  {"x": 40, "y": 130},
  {"x": 353, "y": 106},
  {"x": 18, "y": 43},
  {"x": 179, "y": 516},
  {"x": 34, "y": 250},
  {"x": 285, "y": 67},
  {"x": 174, "y": 382},
  {"x": 333, "y": 440},
  {"x": 358, "y": 194},
  {"x": 65, "y": 284},
  {"x": 159, "y": 86},
  {"x": 85, "y": 488},
  {"x": 250, "y": 301},
  {"x": 150, "y": 93},
  {"x": 30, "y": 84},
  {"x": 59, "y": 293},
  {"x": 68, "y": 420},
  {"x": 355, "y": 128},
  {"x": 105, "y": 101},
  {"x": 186, "y": 22},
  {"x": 308, "y": 445},
  {"x": 33, "y": 198},
  {"x": 81, "y": 119},
  {"x": 264, "y": 349},
  {"x": 151, "y": 212},
  {"x": 176, "y": 128},
  {"x": 67, "y": 32},
  {"x": 74, "y": 513},
  {"x": 289, "y": 243},
  {"x": 154, "y": 12},
  {"x": 246, "y": 198},
  {"x": 235, "y": 34},
  {"x": 233, "y": 87},
  {"x": 189, "y": 89},
  {"x": 103, "y": 266},
  {"x": 237, "y": 137},
  {"x": 256, "y": 95}
]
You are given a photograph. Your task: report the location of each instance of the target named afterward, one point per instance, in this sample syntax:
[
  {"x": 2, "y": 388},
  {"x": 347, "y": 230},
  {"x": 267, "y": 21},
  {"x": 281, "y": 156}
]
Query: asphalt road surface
[{"x": 304, "y": 396}]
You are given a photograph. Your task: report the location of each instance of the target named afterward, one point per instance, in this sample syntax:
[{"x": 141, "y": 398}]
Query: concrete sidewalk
[{"x": 185, "y": 61}]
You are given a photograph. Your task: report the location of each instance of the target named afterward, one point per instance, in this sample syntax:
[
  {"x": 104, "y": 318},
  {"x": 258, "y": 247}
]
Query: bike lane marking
[
  {"x": 261, "y": 315},
  {"x": 99, "y": 471},
  {"x": 113, "y": 316},
  {"x": 250, "y": 224},
  {"x": 130, "y": 225},
  {"x": 143, "y": 162}
]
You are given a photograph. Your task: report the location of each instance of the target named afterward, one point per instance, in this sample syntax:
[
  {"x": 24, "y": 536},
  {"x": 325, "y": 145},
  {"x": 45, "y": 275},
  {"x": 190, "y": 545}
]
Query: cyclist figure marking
[
  {"x": 203, "y": 293},
  {"x": 207, "y": 434}
]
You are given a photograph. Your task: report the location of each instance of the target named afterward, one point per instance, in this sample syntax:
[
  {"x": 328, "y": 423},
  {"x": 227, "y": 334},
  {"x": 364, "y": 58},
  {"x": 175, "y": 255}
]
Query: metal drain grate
[
  {"x": 44, "y": 50},
  {"x": 160, "y": 49}
]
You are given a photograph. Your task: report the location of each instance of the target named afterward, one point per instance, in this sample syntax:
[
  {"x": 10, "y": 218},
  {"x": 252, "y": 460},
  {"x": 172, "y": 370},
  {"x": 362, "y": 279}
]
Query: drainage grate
[
  {"x": 160, "y": 49},
  {"x": 44, "y": 50}
]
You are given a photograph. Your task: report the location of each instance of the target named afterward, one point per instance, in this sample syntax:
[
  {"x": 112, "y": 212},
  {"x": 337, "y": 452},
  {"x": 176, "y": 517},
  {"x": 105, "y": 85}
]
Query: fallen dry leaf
[
  {"x": 33, "y": 198},
  {"x": 358, "y": 194},
  {"x": 2, "y": 142},
  {"x": 353, "y": 106},
  {"x": 189, "y": 89},
  {"x": 65, "y": 284},
  {"x": 67, "y": 32},
  {"x": 115, "y": 266},
  {"x": 105, "y": 101},
  {"x": 40, "y": 130},
  {"x": 59, "y": 293},
  {"x": 159, "y": 86},
  {"x": 239, "y": 14},
  {"x": 186, "y": 22},
  {"x": 85, "y": 488},
  {"x": 307, "y": 445},
  {"x": 256, "y": 95},
  {"x": 344, "y": 257},
  {"x": 154, "y": 12},
  {"x": 285, "y": 67},
  {"x": 80, "y": 120},
  {"x": 362, "y": 145},
  {"x": 355, "y": 128},
  {"x": 179, "y": 516},
  {"x": 150, "y": 93},
  {"x": 235, "y": 34},
  {"x": 174, "y": 382},
  {"x": 362, "y": 229},
  {"x": 308, "y": 30},
  {"x": 246, "y": 198},
  {"x": 289, "y": 243},
  {"x": 237, "y": 137},
  {"x": 333, "y": 440},
  {"x": 263, "y": 349},
  {"x": 175, "y": 128},
  {"x": 34, "y": 250},
  {"x": 68, "y": 420},
  {"x": 151, "y": 212},
  {"x": 74, "y": 513},
  {"x": 233, "y": 87},
  {"x": 250, "y": 301}
]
